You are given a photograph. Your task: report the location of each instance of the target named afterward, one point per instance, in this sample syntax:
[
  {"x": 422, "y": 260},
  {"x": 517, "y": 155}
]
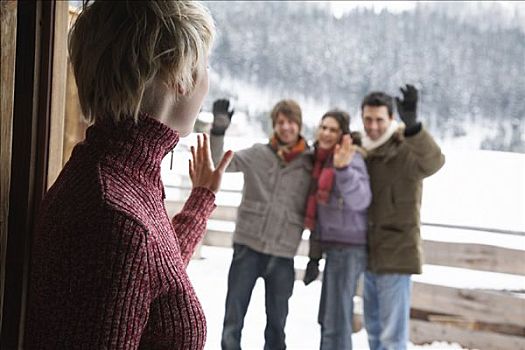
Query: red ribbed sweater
[{"x": 108, "y": 266}]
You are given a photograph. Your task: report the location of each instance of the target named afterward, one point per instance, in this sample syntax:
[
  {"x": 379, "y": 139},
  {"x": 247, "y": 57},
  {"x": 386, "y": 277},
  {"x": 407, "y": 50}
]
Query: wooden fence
[{"x": 474, "y": 318}]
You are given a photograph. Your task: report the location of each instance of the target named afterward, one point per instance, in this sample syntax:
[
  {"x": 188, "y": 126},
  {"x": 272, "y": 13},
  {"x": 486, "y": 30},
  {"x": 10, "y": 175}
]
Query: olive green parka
[{"x": 397, "y": 169}]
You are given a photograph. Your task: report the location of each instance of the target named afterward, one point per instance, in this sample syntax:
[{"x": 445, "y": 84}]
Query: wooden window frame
[{"x": 36, "y": 148}]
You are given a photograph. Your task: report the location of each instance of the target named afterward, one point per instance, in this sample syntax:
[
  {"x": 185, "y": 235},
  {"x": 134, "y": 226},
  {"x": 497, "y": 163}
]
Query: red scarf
[
  {"x": 323, "y": 174},
  {"x": 287, "y": 153}
]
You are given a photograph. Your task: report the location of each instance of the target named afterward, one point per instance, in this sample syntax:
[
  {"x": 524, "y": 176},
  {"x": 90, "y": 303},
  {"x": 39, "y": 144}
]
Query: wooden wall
[
  {"x": 8, "y": 38},
  {"x": 33, "y": 75},
  {"x": 58, "y": 92}
]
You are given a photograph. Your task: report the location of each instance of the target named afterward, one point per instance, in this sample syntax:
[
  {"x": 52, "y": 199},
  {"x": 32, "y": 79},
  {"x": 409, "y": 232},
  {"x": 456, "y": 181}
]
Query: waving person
[
  {"x": 269, "y": 221},
  {"x": 400, "y": 156},
  {"x": 336, "y": 215},
  {"x": 109, "y": 267}
]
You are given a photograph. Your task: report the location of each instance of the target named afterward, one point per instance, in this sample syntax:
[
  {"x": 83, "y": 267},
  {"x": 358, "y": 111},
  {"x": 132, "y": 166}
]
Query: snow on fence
[{"x": 488, "y": 316}]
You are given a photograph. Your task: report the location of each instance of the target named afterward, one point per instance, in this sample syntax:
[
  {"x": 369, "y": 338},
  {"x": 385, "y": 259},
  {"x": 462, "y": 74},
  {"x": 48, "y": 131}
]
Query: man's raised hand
[
  {"x": 407, "y": 107},
  {"x": 221, "y": 117}
]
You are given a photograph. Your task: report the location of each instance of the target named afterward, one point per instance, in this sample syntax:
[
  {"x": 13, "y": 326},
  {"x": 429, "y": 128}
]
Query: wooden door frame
[{"x": 29, "y": 161}]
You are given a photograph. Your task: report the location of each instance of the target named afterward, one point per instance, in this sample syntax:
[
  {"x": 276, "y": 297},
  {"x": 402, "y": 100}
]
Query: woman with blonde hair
[{"x": 108, "y": 265}]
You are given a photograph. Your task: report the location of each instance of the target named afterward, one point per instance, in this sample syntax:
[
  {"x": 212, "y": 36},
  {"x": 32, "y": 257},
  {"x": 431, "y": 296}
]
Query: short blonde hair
[{"x": 118, "y": 47}]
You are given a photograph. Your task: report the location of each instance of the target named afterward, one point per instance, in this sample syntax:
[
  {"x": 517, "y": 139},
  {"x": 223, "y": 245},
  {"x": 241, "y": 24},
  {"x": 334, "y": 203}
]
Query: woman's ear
[{"x": 181, "y": 90}]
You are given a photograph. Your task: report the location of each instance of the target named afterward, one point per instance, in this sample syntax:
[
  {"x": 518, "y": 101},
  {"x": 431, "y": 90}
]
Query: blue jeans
[
  {"x": 279, "y": 276},
  {"x": 342, "y": 270},
  {"x": 387, "y": 310}
]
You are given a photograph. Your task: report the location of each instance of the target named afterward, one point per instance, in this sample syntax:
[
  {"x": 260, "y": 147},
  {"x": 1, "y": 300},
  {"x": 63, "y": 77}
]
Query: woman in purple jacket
[{"x": 336, "y": 215}]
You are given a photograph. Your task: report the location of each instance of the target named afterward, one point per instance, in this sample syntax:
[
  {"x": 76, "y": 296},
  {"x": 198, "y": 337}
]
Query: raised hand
[
  {"x": 407, "y": 107},
  {"x": 201, "y": 169},
  {"x": 221, "y": 116},
  {"x": 344, "y": 152}
]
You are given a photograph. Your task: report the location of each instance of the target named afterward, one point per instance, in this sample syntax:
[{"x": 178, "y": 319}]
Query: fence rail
[
  {"x": 462, "y": 255},
  {"x": 185, "y": 187}
]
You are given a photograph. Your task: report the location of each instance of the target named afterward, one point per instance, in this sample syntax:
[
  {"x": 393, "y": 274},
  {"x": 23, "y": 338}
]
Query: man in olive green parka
[{"x": 400, "y": 156}]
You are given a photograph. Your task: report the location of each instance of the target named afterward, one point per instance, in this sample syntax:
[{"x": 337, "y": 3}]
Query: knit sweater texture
[{"x": 108, "y": 266}]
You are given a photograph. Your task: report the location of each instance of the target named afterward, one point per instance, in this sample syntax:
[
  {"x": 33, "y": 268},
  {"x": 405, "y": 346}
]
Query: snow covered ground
[
  {"x": 477, "y": 188},
  {"x": 209, "y": 276}
]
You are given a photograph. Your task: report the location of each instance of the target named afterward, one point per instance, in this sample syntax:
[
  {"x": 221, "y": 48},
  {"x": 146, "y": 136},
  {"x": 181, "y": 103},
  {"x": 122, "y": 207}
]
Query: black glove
[
  {"x": 312, "y": 271},
  {"x": 221, "y": 117},
  {"x": 407, "y": 109}
]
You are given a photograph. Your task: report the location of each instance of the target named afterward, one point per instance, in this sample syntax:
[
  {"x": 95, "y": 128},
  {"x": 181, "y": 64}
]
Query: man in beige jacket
[{"x": 269, "y": 221}]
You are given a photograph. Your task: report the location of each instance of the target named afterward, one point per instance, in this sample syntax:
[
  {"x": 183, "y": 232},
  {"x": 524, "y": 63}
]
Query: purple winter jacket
[{"x": 344, "y": 218}]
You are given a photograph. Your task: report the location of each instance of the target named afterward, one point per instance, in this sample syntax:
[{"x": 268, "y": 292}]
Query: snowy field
[
  {"x": 209, "y": 276},
  {"x": 477, "y": 188}
]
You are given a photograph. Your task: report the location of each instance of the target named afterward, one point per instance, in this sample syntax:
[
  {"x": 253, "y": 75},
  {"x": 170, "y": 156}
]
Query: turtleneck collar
[{"x": 136, "y": 149}]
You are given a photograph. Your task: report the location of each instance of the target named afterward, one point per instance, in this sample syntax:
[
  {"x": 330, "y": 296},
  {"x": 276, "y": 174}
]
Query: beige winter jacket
[{"x": 270, "y": 218}]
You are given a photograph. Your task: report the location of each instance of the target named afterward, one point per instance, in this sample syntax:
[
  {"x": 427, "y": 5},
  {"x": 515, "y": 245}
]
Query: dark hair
[
  {"x": 342, "y": 118},
  {"x": 377, "y": 99}
]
